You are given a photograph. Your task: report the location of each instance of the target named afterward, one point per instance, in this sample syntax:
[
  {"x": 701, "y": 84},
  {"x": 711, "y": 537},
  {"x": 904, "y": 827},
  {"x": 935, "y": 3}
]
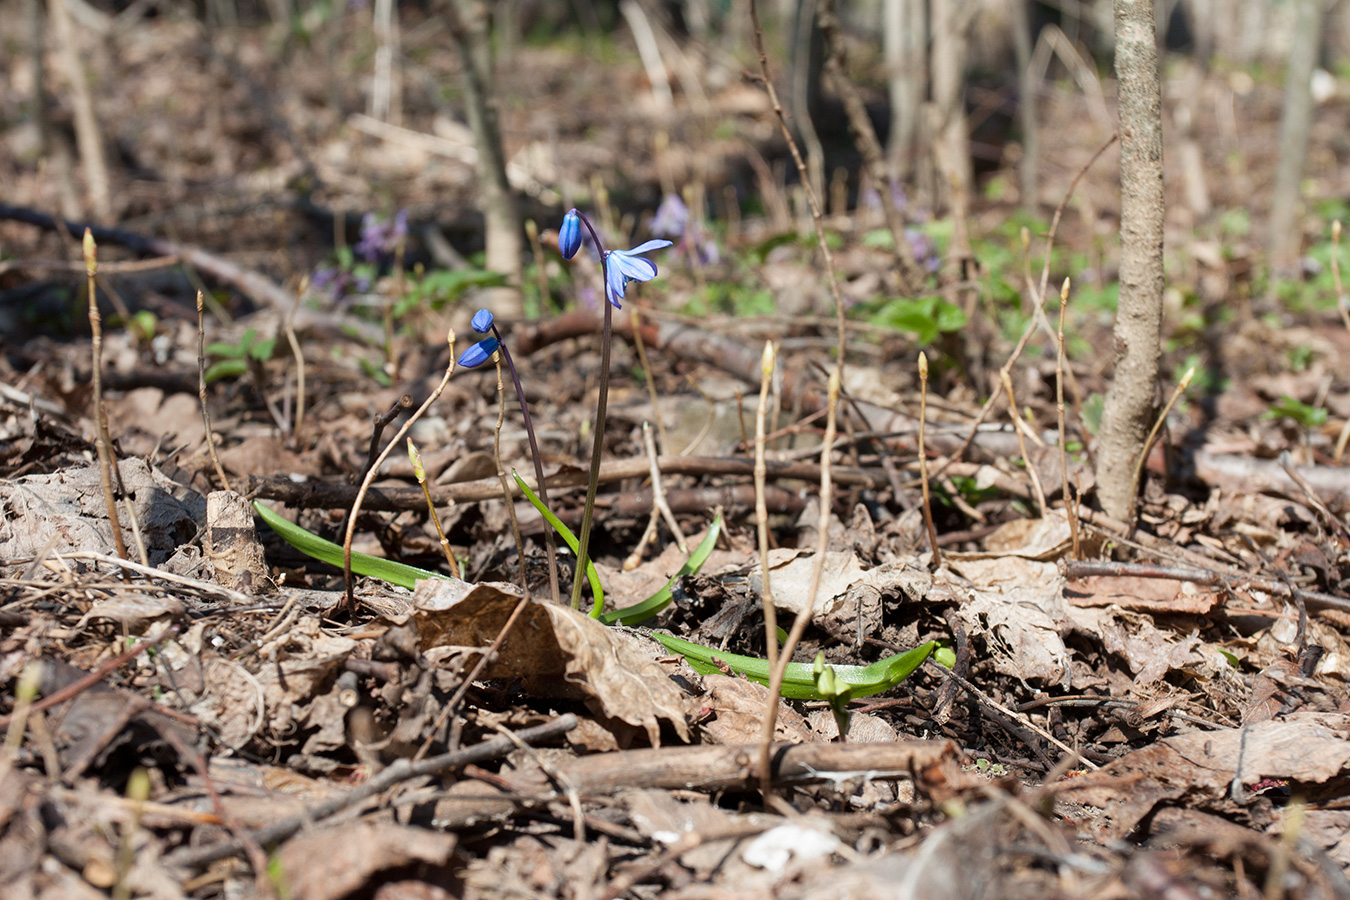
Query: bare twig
[
  {"x": 201, "y": 396},
  {"x": 923, "y": 462},
  {"x": 761, "y": 510},
  {"x": 102, "y": 440},
  {"x": 375, "y": 467},
  {"x": 400, "y": 771},
  {"x": 1069, "y": 508},
  {"x": 1022, "y": 443},
  {"x": 779, "y": 670}
]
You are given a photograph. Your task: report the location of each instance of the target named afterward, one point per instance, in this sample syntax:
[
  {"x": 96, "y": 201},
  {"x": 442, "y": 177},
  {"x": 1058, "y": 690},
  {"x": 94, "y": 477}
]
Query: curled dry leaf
[
  {"x": 554, "y": 651},
  {"x": 334, "y": 862}
]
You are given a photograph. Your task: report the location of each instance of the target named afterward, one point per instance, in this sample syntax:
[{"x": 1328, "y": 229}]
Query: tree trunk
[
  {"x": 1131, "y": 401},
  {"x": 905, "y": 33},
  {"x": 951, "y": 145},
  {"x": 468, "y": 21},
  {"x": 1283, "y": 242}
]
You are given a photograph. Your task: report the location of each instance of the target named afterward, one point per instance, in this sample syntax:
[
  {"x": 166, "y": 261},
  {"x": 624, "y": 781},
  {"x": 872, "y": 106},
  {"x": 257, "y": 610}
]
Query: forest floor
[{"x": 1131, "y": 713}]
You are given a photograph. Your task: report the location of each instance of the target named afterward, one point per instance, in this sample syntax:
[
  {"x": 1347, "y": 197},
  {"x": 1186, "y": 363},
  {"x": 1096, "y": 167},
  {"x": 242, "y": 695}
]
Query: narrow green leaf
[
  {"x": 799, "y": 681},
  {"x": 640, "y": 612},
  {"x": 571, "y": 539},
  {"x": 311, "y": 544}
]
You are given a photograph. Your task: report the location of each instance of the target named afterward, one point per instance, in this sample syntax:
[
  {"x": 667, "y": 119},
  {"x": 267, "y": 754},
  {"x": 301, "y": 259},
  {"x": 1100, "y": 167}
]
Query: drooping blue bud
[
  {"x": 478, "y": 354},
  {"x": 569, "y": 235},
  {"x": 482, "y": 321}
]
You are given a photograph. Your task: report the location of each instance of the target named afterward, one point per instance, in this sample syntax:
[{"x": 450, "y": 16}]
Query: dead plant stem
[
  {"x": 102, "y": 441},
  {"x": 375, "y": 467},
  {"x": 201, "y": 395},
  {"x": 779, "y": 669}
]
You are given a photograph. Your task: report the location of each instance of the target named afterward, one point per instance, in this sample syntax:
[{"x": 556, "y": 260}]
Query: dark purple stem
[
  {"x": 601, "y": 406},
  {"x": 549, "y": 547}
]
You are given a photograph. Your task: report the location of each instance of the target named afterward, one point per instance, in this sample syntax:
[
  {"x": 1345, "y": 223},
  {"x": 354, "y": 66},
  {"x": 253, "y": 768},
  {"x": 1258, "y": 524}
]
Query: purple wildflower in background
[
  {"x": 381, "y": 237},
  {"x": 671, "y": 219}
]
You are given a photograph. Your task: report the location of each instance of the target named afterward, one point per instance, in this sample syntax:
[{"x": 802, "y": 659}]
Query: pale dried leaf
[
  {"x": 554, "y": 650},
  {"x": 334, "y": 862}
]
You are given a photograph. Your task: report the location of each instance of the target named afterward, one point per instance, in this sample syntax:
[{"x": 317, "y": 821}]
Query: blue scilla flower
[
  {"x": 569, "y": 235},
  {"x": 623, "y": 266},
  {"x": 479, "y": 353},
  {"x": 482, "y": 321}
]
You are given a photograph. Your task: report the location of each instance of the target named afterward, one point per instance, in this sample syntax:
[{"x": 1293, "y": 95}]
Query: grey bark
[
  {"x": 1027, "y": 117},
  {"x": 1283, "y": 242},
  {"x": 468, "y": 22},
  {"x": 905, "y": 34},
  {"x": 1131, "y": 401},
  {"x": 951, "y": 144}
]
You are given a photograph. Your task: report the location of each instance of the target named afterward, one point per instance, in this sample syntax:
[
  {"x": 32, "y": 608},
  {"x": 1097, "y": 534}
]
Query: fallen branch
[{"x": 402, "y": 770}]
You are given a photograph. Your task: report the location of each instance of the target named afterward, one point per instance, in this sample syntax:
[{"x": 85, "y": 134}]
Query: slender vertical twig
[
  {"x": 1036, "y": 489},
  {"x": 420, "y": 472},
  {"x": 375, "y": 467},
  {"x": 778, "y": 671},
  {"x": 1070, "y": 509},
  {"x": 762, "y": 508},
  {"x": 102, "y": 440},
  {"x": 1152, "y": 435},
  {"x": 201, "y": 395},
  {"x": 923, "y": 462}
]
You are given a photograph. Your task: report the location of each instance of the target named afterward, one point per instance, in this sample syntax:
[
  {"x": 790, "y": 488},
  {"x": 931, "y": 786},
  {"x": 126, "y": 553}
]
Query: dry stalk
[
  {"x": 102, "y": 441},
  {"x": 1069, "y": 506},
  {"x": 647, "y": 375},
  {"x": 1022, "y": 443},
  {"x": 762, "y": 507},
  {"x": 1344, "y": 309},
  {"x": 375, "y": 467},
  {"x": 923, "y": 462},
  {"x": 1153, "y": 434},
  {"x": 778, "y": 670},
  {"x": 420, "y": 472},
  {"x": 1038, "y": 293},
  {"x": 294, "y": 343},
  {"x": 201, "y": 395},
  {"x": 660, "y": 508}
]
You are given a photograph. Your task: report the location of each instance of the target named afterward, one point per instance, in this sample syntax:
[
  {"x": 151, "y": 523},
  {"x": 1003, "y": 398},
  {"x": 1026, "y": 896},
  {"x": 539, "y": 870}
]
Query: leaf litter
[{"x": 1113, "y": 734}]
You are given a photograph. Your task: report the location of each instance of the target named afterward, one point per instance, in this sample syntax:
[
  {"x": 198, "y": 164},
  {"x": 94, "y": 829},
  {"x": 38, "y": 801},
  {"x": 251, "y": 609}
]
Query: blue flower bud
[
  {"x": 482, "y": 321},
  {"x": 569, "y": 235},
  {"x": 478, "y": 354}
]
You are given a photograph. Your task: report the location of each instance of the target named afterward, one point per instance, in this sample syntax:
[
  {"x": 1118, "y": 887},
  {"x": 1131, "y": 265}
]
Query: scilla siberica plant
[
  {"x": 479, "y": 353},
  {"x": 618, "y": 268}
]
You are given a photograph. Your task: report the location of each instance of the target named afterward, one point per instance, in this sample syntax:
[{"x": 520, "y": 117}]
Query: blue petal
[
  {"x": 634, "y": 267},
  {"x": 615, "y": 281},
  {"x": 648, "y": 247},
  {"x": 482, "y": 321},
  {"x": 569, "y": 235},
  {"x": 478, "y": 354}
]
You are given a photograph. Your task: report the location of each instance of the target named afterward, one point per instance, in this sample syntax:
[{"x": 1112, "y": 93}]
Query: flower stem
[
  {"x": 549, "y": 547},
  {"x": 601, "y": 407}
]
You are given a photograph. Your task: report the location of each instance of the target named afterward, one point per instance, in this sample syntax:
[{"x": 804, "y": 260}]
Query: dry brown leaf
[
  {"x": 737, "y": 708},
  {"x": 554, "y": 650},
  {"x": 69, "y": 506},
  {"x": 332, "y": 863},
  {"x": 1144, "y": 594},
  {"x": 1201, "y": 766}
]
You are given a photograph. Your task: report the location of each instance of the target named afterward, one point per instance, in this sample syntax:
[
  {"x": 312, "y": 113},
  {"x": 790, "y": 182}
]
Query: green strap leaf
[
  {"x": 799, "y": 681},
  {"x": 566, "y": 534},
  {"x": 311, "y": 544}
]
